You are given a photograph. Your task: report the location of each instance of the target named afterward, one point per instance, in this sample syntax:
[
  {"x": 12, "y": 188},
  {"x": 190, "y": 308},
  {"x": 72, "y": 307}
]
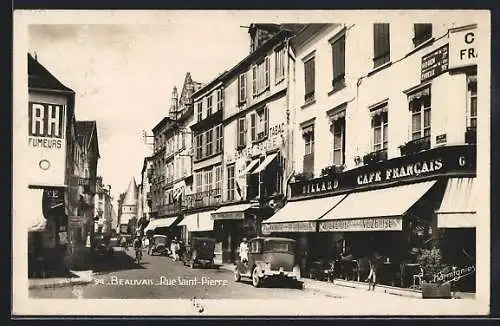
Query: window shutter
[
  {"x": 254, "y": 80},
  {"x": 266, "y": 120},
  {"x": 267, "y": 74},
  {"x": 381, "y": 39},
  {"x": 252, "y": 127},
  {"x": 309, "y": 76},
  {"x": 244, "y": 123}
]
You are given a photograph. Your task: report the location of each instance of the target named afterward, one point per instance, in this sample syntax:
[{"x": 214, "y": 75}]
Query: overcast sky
[{"x": 123, "y": 77}]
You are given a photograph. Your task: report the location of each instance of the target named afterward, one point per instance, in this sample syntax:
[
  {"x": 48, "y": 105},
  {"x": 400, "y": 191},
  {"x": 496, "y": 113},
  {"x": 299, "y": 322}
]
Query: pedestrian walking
[
  {"x": 373, "y": 262},
  {"x": 244, "y": 250}
]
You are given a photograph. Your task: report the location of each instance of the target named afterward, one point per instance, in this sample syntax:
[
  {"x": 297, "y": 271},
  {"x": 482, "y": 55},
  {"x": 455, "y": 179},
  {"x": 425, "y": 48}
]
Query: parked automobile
[
  {"x": 159, "y": 245},
  {"x": 269, "y": 257},
  {"x": 114, "y": 242},
  {"x": 200, "y": 252},
  {"x": 102, "y": 246}
]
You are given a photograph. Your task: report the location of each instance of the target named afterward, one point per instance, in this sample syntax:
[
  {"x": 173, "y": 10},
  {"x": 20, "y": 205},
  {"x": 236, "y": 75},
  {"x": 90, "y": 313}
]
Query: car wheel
[
  {"x": 256, "y": 280},
  {"x": 236, "y": 275}
]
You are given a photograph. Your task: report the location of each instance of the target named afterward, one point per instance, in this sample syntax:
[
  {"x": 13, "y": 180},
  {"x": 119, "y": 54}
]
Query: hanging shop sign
[
  {"x": 46, "y": 143},
  {"x": 305, "y": 226},
  {"x": 362, "y": 224},
  {"x": 463, "y": 47},
  {"x": 435, "y": 162},
  {"x": 434, "y": 63}
]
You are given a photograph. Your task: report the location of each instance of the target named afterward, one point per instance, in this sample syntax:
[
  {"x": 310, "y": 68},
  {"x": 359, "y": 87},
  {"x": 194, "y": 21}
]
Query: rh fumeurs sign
[
  {"x": 46, "y": 142},
  {"x": 438, "y": 161}
]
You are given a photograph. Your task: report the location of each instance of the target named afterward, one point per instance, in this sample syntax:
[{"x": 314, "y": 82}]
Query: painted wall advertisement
[
  {"x": 463, "y": 47},
  {"x": 46, "y": 141}
]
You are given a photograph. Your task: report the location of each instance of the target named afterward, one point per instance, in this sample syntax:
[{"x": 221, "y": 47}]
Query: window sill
[
  {"x": 259, "y": 140},
  {"x": 421, "y": 46},
  {"x": 280, "y": 80},
  {"x": 337, "y": 89},
  {"x": 196, "y": 160},
  {"x": 379, "y": 68},
  {"x": 259, "y": 93},
  {"x": 309, "y": 103}
]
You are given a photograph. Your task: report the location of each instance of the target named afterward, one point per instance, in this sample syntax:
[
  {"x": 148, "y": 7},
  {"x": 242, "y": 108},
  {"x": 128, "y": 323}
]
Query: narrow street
[{"x": 116, "y": 279}]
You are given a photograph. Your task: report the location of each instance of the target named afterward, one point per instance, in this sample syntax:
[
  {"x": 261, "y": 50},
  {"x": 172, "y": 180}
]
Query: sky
[{"x": 123, "y": 76}]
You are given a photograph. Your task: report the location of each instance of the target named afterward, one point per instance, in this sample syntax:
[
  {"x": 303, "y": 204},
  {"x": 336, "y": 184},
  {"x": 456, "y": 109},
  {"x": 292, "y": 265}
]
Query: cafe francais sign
[{"x": 435, "y": 162}]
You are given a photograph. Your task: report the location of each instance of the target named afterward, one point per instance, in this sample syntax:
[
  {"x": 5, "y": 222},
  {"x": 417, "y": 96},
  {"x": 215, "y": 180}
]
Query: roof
[
  {"x": 160, "y": 124},
  {"x": 40, "y": 77},
  {"x": 307, "y": 32},
  {"x": 130, "y": 197},
  {"x": 86, "y": 132}
]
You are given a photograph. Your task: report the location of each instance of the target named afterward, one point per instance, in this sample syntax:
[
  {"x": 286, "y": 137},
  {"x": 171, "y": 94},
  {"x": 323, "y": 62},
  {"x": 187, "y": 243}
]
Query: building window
[
  {"x": 260, "y": 77},
  {"x": 241, "y": 133},
  {"x": 219, "y": 139},
  {"x": 421, "y": 115},
  {"x": 279, "y": 65},
  {"x": 200, "y": 110},
  {"x": 209, "y": 142},
  {"x": 262, "y": 123},
  {"x": 338, "y": 131},
  {"x": 218, "y": 180},
  {"x": 220, "y": 99},
  {"x": 199, "y": 182},
  {"x": 242, "y": 88},
  {"x": 338, "y": 58},
  {"x": 308, "y": 134},
  {"x": 230, "y": 182},
  {"x": 199, "y": 146},
  {"x": 423, "y": 32},
  {"x": 380, "y": 135},
  {"x": 209, "y": 105},
  {"x": 309, "y": 72},
  {"x": 253, "y": 133},
  {"x": 472, "y": 101},
  {"x": 207, "y": 185},
  {"x": 381, "y": 42}
]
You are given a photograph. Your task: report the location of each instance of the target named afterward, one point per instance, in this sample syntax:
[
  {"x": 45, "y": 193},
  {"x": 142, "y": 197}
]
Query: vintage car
[
  {"x": 269, "y": 257},
  {"x": 159, "y": 245},
  {"x": 200, "y": 252}
]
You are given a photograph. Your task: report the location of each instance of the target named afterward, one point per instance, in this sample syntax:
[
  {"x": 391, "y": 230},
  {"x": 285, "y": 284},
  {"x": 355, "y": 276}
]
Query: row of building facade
[
  {"x": 351, "y": 138},
  {"x": 68, "y": 202}
]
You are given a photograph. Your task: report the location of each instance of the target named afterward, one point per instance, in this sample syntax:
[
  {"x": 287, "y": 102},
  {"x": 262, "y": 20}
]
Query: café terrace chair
[{"x": 418, "y": 277}]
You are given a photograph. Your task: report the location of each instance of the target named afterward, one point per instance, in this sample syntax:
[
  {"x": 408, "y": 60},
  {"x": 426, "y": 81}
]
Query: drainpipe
[{"x": 289, "y": 141}]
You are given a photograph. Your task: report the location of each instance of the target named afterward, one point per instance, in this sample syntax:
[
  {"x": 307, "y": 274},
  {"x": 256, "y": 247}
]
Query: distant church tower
[{"x": 129, "y": 208}]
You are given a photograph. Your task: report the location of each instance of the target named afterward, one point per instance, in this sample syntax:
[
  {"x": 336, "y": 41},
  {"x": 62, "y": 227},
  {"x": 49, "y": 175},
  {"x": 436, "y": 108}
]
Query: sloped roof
[
  {"x": 131, "y": 194},
  {"x": 86, "y": 131},
  {"x": 40, "y": 77}
]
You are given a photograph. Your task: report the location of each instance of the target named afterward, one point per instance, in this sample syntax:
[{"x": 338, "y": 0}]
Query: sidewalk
[
  {"x": 80, "y": 277},
  {"x": 332, "y": 288}
]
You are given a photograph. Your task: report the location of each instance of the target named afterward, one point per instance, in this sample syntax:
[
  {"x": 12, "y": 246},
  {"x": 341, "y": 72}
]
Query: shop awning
[
  {"x": 231, "y": 212},
  {"x": 160, "y": 223},
  {"x": 458, "y": 208},
  {"x": 300, "y": 216},
  {"x": 265, "y": 163},
  {"x": 374, "y": 210},
  {"x": 37, "y": 221},
  {"x": 198, "y": 222},
  {"x": 249, "y": 167}
]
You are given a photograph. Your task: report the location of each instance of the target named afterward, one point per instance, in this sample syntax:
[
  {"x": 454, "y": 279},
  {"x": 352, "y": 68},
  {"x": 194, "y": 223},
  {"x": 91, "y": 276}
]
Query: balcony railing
[
  {"x": 374, "y": 157},
  {"x": 169, "y": 209},
  {"x": 415, "y": 146},
  {"x": 203, "y": 199}
]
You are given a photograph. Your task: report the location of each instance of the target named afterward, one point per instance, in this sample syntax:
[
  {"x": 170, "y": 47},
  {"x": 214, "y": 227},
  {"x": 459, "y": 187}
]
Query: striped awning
[
  {"x": 458, "y": 208},
  {"x": 160, "y": 223},
  {"x": 33, "y": 200}
]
